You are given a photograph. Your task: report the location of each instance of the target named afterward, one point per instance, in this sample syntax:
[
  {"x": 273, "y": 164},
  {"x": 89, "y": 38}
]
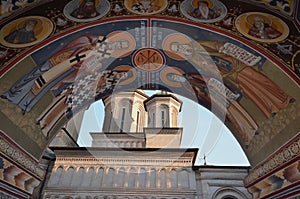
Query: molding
[
  {"x": 280, "y": 159},
  {"x": 14, "y": 153}
]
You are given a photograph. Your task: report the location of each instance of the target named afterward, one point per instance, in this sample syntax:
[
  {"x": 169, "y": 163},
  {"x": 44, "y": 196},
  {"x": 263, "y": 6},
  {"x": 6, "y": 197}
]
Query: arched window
[
  {"x": 132, "y": 177},
  {"x": 68, "y": 177},
  {"x": 98, "y": 178},
  {"x": 88, "y": 177},
  {"x": 228, "y": 193},
  {"x": 120, "y": 176},
  {"x": 183, "y": 179},
  {"x": 164, "y": 116},
  {"x": 142, "y": 178},
  {"x": 56, "y": 176},
  {"x": 78, "y": 176}
]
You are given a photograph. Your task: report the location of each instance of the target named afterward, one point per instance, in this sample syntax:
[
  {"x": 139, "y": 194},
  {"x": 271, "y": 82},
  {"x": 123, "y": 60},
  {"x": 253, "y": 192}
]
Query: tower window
[
  {"x": 153, "y": 119},
  {"x": 122, "y": 119},
  {"x": 137, "y": 121},
  {"x": 163, "y": 121}
]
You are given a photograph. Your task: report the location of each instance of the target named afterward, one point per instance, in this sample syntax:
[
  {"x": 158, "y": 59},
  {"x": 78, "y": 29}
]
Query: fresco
[
  {"x": 228, "y": 18},
  {"x": 86, "y": 10},
  {"x": 262, "y": 27},
  {"x": 204, "y": 66},
  {"x": 10, "y": 6},
  {"x": 146, "y": 7},
  {"x": 25, "y": 31},
  {"x": 284, "y": 6},
  {"x": 203, "y": 10},
  {"x": 171, "y": 45}
]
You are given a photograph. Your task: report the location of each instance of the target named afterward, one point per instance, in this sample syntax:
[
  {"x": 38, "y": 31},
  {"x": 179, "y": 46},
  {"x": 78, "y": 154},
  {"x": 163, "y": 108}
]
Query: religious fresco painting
[
  {"x": 284, "y": 6},
  {"x": 9, "y": 6},
  {"x": 208, "y": 11},
  {"x": 239, "y": 60},
  {"x": 146, "y": 7},
  {"x": 86, "y": 10},
  {"x": 86, "y": 68},
  {"x": 262, "y": 27},
  {"x": 26, "y": 31}
]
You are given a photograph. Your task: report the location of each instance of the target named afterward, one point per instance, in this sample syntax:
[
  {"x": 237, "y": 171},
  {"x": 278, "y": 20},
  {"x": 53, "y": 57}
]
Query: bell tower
[
  {"x": 163, "y": 110},
  {"x": 125, "y": 112},
  {"x": 135, "y": 120}
]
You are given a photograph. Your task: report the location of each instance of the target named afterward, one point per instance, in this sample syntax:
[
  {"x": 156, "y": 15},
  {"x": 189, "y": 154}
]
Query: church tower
[
  {"x": 125, "y": 112},
  {"x": 135, "y": 120},
  {"x": 163, "y": 110},
  {"x": 162, "y": 130}
]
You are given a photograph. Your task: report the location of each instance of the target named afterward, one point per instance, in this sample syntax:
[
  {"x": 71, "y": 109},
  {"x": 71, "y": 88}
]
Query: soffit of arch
[{"x": 17, "y": 60}]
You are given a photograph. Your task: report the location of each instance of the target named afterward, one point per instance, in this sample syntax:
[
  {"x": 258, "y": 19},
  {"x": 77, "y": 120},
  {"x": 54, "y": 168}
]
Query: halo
[
  {"x": 118, "y": 36},
  {"x": 210, "y": 4},
  {"x": 125, "y": 68},
  {"x": 38, "y": 26},
  {"x": 245, "y": 21},
  {"x": 251, "y": 17},
  {"x": 171, "y": 70},
  {"x": 42, "y": 30},
  {"x": 180, "y": 39}
]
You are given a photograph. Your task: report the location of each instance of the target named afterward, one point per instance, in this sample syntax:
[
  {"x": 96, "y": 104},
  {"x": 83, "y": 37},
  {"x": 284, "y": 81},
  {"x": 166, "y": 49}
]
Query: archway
[{"x": 248, "y": 82}]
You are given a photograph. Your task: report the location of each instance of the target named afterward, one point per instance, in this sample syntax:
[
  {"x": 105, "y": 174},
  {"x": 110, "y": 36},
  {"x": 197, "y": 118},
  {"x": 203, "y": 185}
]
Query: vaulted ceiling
[{"x": 240, "y": 59}]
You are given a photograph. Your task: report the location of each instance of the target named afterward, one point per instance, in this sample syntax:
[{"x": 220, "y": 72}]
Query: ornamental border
[
  {"x": 282, "y": 156},
  {"x": 14, "y": 153}
]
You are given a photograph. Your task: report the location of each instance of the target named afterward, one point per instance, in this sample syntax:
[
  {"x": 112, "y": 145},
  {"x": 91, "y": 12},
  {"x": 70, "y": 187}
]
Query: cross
[
  {"x": 113, "y": 81},
  {"x": 104, "y": 52},
  {"x": 77, "y": 58},
  {"x": 109, "y": 74}
]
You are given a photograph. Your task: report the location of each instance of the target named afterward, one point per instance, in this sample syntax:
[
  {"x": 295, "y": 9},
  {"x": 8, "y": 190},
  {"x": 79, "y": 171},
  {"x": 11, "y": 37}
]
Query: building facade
[{"x": 123, "y": 163}]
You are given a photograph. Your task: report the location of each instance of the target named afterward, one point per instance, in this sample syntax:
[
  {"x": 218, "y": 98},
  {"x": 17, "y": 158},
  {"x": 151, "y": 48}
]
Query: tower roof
[{"x": 162, "y": 94}]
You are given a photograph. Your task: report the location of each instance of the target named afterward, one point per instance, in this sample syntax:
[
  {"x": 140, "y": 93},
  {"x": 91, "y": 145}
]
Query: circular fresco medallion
[
  {"x": 148, "y": 59},
  {"x": 177, "y": 46},
  {"x": 86, "y": 10},
  {"x": 121, "y": 43},
  {"x": 208, "y": 11},
  {"x": 129, "y": 74},
  {"x": 172, "y": 76},
  {"x": 262, "y": 27},
  {"x": 25, "y": 31},
  {"x": 146, "y": 7}
]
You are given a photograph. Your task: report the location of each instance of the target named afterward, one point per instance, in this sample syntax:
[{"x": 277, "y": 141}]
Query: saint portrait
[
  {"x": 262, "y": 27},
  {"x": 146, "y": 7},
  {"x": 86, "y": 10},
  {"x": 211, "y": 58},
  {"x": 203, "y": 10},
  {"x": 26, "y": 31}
]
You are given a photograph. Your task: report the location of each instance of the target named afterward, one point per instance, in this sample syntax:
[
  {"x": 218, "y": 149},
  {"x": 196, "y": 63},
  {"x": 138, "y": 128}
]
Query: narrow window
[
  {"x": 162, "y": 118},
  {"x": 137, "y": 121},
  {"x": 153, "y": 119},
  {"x": 122, "y": 119}
]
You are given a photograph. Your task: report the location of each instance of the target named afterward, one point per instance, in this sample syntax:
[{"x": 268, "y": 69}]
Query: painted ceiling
[{"x": 240, "y": 59}]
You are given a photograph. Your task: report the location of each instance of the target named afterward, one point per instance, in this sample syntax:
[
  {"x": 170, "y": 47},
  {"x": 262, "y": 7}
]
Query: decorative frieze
[
  {"x": 281, "y": 157},
  {"x": 279, "y": 172},
  {"x": 16, "y": 154}
]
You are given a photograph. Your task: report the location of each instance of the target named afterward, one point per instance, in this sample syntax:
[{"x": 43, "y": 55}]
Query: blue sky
[{"x": 201, "y": 129}]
